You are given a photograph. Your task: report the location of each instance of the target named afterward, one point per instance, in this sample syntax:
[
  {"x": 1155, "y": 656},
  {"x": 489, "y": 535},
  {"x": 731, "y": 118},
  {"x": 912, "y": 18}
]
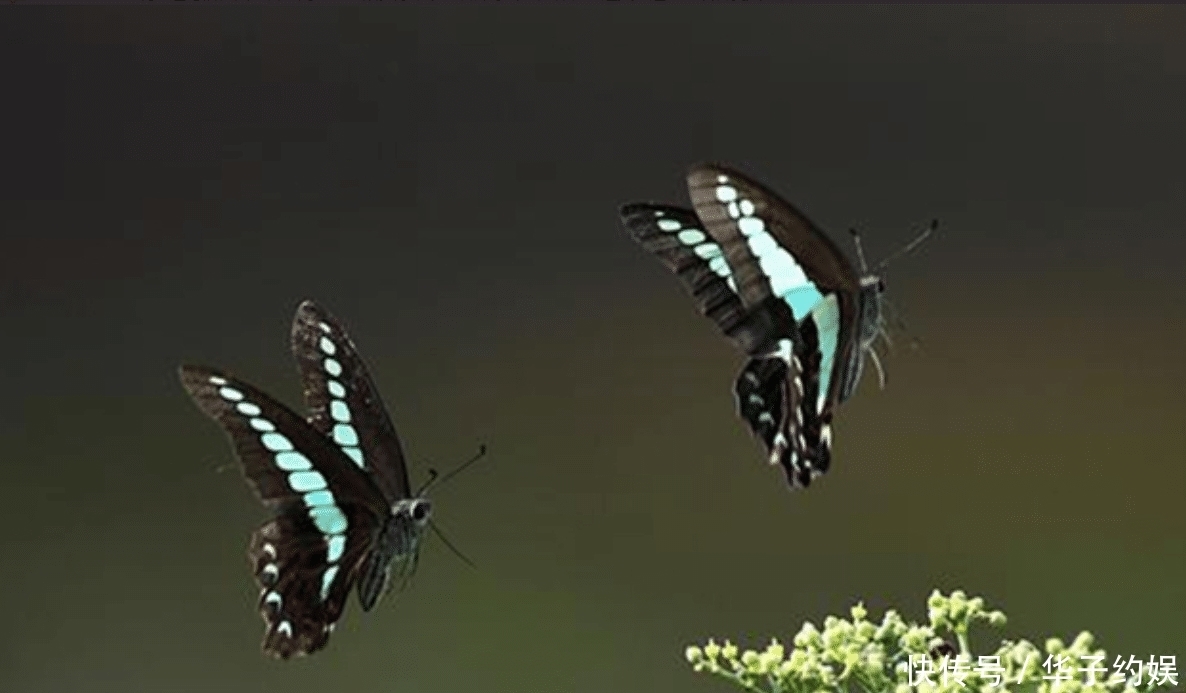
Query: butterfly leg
[{"x": 877, "y": 362}]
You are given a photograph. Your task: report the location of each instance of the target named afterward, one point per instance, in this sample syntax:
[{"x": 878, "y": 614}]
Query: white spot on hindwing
[
  {"x": 335, "y": 388},
  {"x": 332, "y": 367},
  {"x": 327, "y": 347},
  {"x": 270, "y": 550},
  {"x": 327, "y": 580},
  {"x": 270, "y": 573},
  {"x": 285, "y": 629},
  {"x": 261, "y": 424}
]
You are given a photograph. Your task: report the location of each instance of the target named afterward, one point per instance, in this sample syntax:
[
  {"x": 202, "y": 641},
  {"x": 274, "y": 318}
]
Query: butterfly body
[
  {"x": 783, "y": 293},
  {"x": 336, "y": 482}
]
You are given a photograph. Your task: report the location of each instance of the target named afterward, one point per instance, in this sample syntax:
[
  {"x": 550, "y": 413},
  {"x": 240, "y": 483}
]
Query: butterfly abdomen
[{"x": 394, "y": 540}]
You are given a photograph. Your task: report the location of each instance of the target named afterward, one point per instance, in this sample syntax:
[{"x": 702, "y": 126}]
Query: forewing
[
  {"x": 676, "y": 237},
  {"x": 740, "y": 213},
  {"x": 777, "y": 251},
  {"x": 283, "y": 458},
  {"x": 344, "y": 403}
]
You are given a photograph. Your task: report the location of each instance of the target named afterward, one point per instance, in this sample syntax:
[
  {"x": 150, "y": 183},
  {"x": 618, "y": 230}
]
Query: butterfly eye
[{"x": 421, "y": 510}]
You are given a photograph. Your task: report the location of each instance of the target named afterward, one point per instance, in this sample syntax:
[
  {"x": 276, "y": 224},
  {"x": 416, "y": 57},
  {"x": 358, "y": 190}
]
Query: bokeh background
[{"x": 176, "y": 180}]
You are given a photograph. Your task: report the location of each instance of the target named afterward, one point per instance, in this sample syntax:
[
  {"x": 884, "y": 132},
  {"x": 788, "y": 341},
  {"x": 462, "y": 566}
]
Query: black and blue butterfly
[
  {"x": 344, "y": 510},
  {"x": 784, "y": 294}
]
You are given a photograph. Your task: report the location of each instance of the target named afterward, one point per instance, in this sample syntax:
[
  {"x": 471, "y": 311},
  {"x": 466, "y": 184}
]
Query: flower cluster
[{"x": 862, "y": 655}]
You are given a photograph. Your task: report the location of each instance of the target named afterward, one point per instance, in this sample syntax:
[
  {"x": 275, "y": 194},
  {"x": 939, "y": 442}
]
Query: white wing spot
[
  {"x": 748, "y": 225},
  {"x": 327, "y": 346},
  {"x": 270, "y": 550},
  {"x": 722, "y": 179},
  {"x": 734, "y": 212},
  {"x": 214, "y": 379},
  {"x": 248, "y": 409},
  {"x": 726, "y": 193},
  {"x": 325, "y": 327},
  {"x": 285, "y": 629},
  {"x": 668, "y": 225},
  {"x": 747, "y": 208},
  {"x": 230, "y": 394},
  {"x": 707, "y": 251}
]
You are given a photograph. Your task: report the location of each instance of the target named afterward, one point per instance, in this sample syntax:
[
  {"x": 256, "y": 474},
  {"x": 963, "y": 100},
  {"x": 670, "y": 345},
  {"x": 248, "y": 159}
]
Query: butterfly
[
  {"x": 784, "y": 294},
  {"x": 337, "y": 482}
]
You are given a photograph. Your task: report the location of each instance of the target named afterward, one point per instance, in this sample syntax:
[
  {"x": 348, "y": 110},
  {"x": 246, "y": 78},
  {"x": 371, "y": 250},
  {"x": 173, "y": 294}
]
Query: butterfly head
[{"x": 418, "y": 510}]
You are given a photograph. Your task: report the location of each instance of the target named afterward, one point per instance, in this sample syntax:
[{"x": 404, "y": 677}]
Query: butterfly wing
[
  {"x": 776, "y": 397},
  {"x": 778, "y": 252},
  {"x": 343, "y": 402},
  {"x": 327, "y": 510},
  {"x": 677, "y": 238}
]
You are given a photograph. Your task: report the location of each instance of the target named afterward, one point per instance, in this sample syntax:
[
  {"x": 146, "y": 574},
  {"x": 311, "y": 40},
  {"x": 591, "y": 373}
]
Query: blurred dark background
[{"x": 446, "y": 180}]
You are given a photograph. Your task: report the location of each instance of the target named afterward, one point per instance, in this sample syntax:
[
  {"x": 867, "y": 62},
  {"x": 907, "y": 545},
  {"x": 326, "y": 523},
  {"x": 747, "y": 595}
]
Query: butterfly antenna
[
  {"x": 435, "y": 478},
  {"x": 856, "y": 241},
  {"x": 909, "y": 247},
  {"x": 437, "y": 530},
  {"x": 432, "y": 477}
]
